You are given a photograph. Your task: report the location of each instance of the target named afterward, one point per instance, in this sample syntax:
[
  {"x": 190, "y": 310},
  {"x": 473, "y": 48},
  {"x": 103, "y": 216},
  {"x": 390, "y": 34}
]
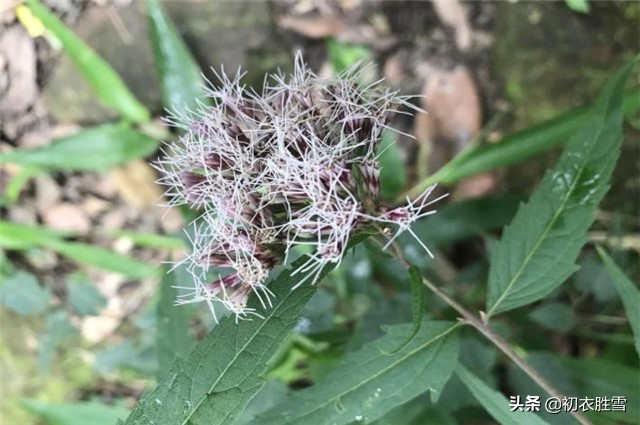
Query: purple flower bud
[
  {"x": 277, "y": 169},
  {"x": 371, "y": 175}
]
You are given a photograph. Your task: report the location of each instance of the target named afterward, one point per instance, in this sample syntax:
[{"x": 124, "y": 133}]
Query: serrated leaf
[
  {"x": 224, "y": 370},
  {"x": 369, "y": 383},
  {"x": 417, "y": 305},
  {"x": 23, "y": 294},
  {"x": 110, "y": 88},
  {"x": 173, "y": 338},
  {"x": 93, "y": 149},
  {"x": 180, "y": 78},
  {"x": 495, "y": 403},
  {"x": 538, "y": 249},
  {"x": 84, "y": 298},
  {"x": 629, "y": 294},
  {"x": 75, "y": 413}
]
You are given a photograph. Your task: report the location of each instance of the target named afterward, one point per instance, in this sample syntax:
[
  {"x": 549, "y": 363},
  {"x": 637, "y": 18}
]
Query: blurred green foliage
[{"x": 428, "y": 371}]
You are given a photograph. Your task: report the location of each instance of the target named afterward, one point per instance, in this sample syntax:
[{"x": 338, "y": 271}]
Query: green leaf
[
  {"x": 19, "y": 236},
  {"x": 16, "y": 184},
  {"x": 599, "y": 377},
  {"x": 57, "y": 329},
  {"x": 93, "y": 149},
  {"x": 518, "y": 146},
  {"x": 224, "y": 371},
  {"x": 75, "y": 413},
  {"x": 343, "y": 55},
  {"x": 101, "y": 76},
  {"x": 173, "y": 340},
  {"x": 84, "y": 298},
  {"x": 150, "y": 239},
  {"x": 464, "y": 219},
  {"x": 476, "y": 355},
  {"x": 538, "y": 249},
  {"x": 628, "y": 293},
  {"x": 554, "y": 316},
  {"x": 369, "y": 383},
  {"x": 271, "y": 394},
  {"x": 6, "y": 267},
  {"x": 417, "y": 305},
  {"x": 103, "y": 258},
  {"x": 581, "y": 378},
  {"x": 495, "y": 403},
  {"x": 23, "y": 294},
  {"x": 593, "y": 279},
  {"x": 179, "y": 74},
  {"x": 139, "y": 357},
  {"x": 393, "y": 173},
  {"x": 581, "y": 6},
  {"x": 414, "y": 413}
]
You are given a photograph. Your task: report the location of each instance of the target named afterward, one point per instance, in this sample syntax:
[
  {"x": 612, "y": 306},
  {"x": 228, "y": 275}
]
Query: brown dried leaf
[
  {"x": 67, "y": 216},
  {"x": 135, "y": 182},
  {"x": 48, "y": 193},
  {"x": 315, "y": 27},
  {"x": 18, "y": 48},
  {"x": 454, "y": 14}
]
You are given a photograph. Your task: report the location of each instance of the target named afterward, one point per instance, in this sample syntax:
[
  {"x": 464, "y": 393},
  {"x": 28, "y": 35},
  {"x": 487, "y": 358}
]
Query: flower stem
[{"x": 482, "y": 326}]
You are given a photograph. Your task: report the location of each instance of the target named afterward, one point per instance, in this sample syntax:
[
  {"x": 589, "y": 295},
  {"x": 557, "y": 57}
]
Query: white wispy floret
[{"x": 293, "y": 166}]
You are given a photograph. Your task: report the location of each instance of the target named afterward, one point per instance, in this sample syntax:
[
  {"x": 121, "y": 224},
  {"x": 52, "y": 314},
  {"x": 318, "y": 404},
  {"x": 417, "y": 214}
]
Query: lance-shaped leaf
[
  {"x": 538, "y": 249},
  {"x": 518, "y": 146},
  {"x": 17, "y": 236},
  {"x": 103, "y": 79},
  {"x": 224, "y": 371},
  {"x": 417, "y": 305},
  {"x": 93, "y": 149},
  {"x": 628, "y": 293},
  {"x": 369, "y": 383},
  {"x": 179, "y": 74},
  {"x": 103, "y": 258},
  {"x": 495, "y": 403}
]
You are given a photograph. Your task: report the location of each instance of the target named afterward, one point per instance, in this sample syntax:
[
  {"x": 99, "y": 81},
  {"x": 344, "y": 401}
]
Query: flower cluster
[{"x": 294, "y": 165}]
